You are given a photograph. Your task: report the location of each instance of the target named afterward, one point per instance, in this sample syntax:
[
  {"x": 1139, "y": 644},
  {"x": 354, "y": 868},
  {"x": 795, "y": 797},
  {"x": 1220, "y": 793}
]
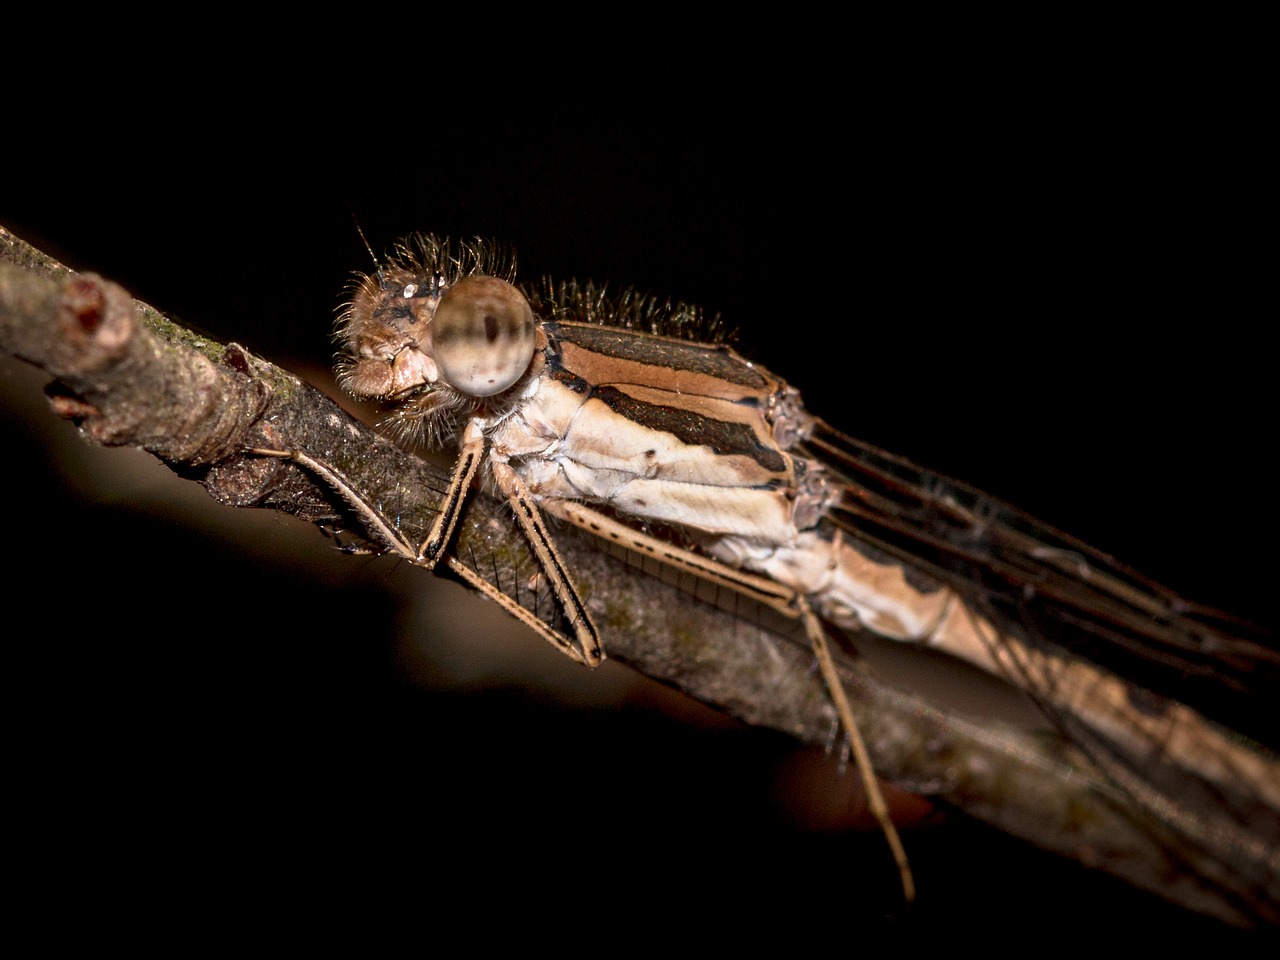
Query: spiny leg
[
  {"x": 428, "y": 553},
  {"x": 556, "y": 639},
  {"x": 535, "y": 531},
  {"x": 464, "y": 471},
  {"x": 372, "y": 517},
  {"x": 761, "y": 589},
  {"x": 394, "y": 541}
]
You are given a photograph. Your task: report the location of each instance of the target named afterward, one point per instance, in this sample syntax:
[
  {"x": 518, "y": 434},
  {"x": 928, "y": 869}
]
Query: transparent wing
[
  {"x": 1046, "y": 587},
  {"x": 1169, "y": 699}
]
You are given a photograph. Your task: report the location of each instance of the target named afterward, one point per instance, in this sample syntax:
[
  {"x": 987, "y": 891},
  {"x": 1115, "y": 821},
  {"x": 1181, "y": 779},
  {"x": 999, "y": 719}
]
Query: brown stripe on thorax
[
  {"x": 610, "y": 355},
  {"x": 703, "y": 395}
]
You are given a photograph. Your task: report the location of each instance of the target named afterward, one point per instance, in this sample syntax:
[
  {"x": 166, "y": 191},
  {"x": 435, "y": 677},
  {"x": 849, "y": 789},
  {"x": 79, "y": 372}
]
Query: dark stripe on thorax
[{"x": 716, "y": 361}]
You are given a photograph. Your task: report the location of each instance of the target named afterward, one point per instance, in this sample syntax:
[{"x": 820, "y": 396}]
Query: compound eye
[{"x": 482, "y": 336}]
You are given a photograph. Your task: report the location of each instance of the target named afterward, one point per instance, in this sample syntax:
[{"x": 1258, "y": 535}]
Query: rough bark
[{"x": 128, "y": 376}]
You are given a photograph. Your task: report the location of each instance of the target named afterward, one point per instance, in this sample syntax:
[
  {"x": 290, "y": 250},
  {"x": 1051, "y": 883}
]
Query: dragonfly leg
[
  {"x": 875, "y": 798},
  {"x": 535, "y": 530},
  {"x": 779, "y": 597},
  {"x": 374, "y": 521},
  {"x": 433, "y": 547},
  {"x": 427, "y": 555},
  {"x": 761, "y": 589},
  {"x": 464, "y": 471},
  {"x": 553, "y": 637}
]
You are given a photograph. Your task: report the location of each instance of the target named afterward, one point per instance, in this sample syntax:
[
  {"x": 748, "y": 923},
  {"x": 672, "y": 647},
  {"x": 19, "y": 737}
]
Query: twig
[{"x": 128, "y": 376}]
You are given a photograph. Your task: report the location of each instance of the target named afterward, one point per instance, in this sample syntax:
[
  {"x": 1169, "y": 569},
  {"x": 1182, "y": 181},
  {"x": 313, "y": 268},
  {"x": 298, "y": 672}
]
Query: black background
[{"x": 1045, "y": 293}]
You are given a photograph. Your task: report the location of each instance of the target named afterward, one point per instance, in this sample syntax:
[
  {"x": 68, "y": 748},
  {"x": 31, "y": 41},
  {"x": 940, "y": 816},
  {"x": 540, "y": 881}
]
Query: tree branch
[{"x": 129, "y": 377}]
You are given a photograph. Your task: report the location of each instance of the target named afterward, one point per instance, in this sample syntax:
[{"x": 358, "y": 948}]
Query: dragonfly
[{"x": 633, "y": 419}]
